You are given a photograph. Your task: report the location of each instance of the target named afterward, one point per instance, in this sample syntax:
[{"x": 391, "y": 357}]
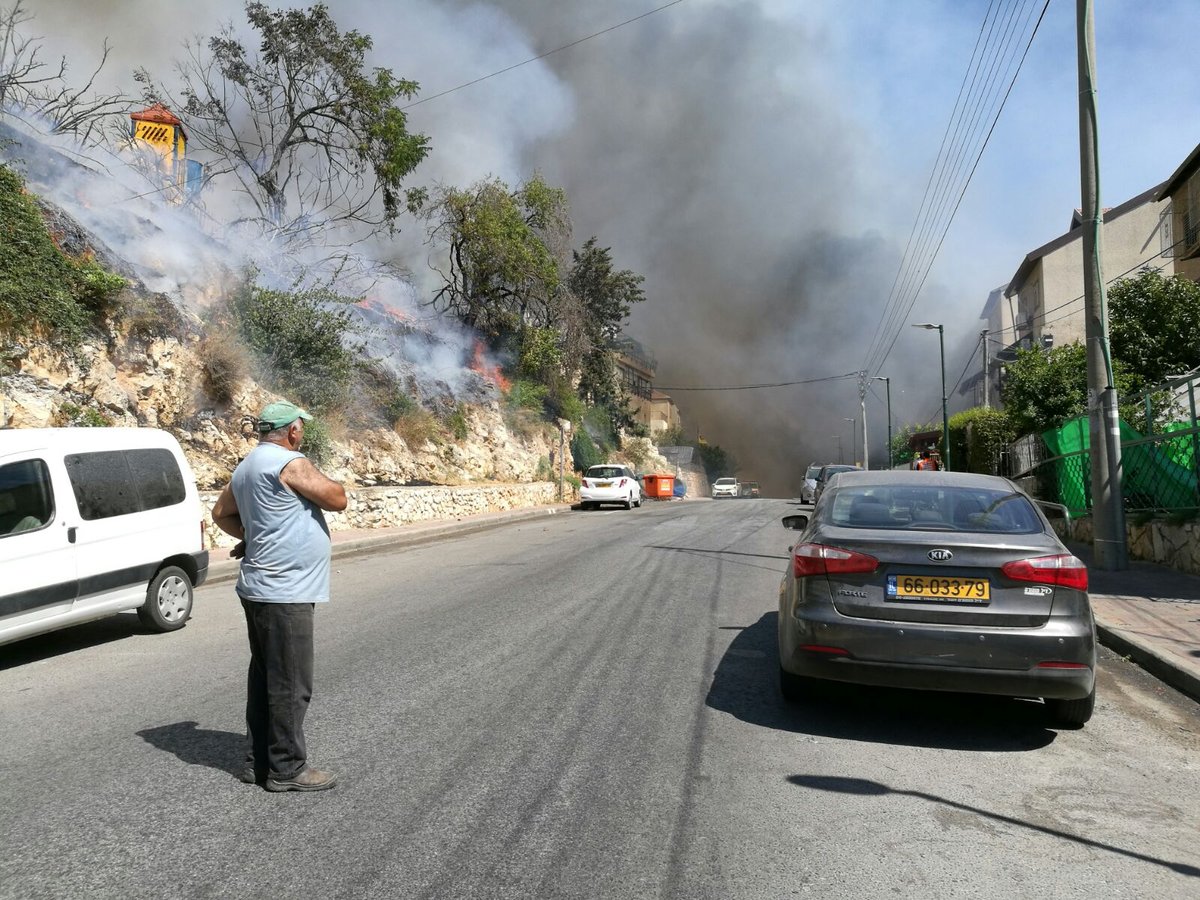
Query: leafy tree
[
  {"x": 305, "y": 130},
  {"x": 1042, "y": 389},
  {"x": 1154, "y": 325},
  {"x": 717, "y": 461},
  {"x": 502, "y": 271},
  {"x": 606, "y": 297}
]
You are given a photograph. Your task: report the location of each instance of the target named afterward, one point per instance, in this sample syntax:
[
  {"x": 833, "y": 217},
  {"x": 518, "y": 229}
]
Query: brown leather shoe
[{"x": 307, "y": 779}]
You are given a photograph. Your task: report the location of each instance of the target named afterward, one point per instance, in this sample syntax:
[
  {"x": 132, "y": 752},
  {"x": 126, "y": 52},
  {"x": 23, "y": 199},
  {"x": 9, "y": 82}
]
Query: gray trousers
[{"x": 278, "y": 685}]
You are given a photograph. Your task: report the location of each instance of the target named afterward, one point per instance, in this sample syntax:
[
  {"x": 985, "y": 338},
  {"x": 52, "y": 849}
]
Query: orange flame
[{"x": 490, "y": 371}]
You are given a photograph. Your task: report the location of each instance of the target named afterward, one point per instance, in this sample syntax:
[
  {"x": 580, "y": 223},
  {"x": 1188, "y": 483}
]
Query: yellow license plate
[
  {"x": 603, "y": 484},
  {"x": 936, "y": 587}
]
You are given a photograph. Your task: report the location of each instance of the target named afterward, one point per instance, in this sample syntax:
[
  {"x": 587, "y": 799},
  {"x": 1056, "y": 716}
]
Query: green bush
[
  {"x": 300, "y": 340},
  {"x": 584, "y": 450},
  {"x": 71, "y": 415},
  {"x": 456, "y": 422},
  {"x": 976, "y": 438},
  {"x": 317, "y": 444},
  {"x": 42, "y": 291},
  {"x": 528, "y": 395}
]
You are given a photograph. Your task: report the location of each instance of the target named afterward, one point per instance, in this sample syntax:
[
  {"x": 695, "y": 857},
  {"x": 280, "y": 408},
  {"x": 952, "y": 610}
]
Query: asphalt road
[{"x": 580, "y": 706}]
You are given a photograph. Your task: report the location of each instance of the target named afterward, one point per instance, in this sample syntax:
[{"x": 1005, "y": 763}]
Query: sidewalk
[{"x": 1152, "y": 615}]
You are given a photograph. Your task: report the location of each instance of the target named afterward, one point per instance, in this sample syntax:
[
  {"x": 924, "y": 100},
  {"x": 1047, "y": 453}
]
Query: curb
[
  {"x": 418, "y": 533},
  {"x": 1156, "y": 663}
]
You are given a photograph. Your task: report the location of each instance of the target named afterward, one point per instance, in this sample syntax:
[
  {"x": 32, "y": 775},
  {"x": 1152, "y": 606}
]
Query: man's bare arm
[
  {"x": 302, "y": 477},
  {"x": 225, "y": 514}
]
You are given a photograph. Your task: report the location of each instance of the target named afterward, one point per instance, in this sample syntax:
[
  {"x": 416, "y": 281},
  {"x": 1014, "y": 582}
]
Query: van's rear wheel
[{"x": 168, "y": 600}]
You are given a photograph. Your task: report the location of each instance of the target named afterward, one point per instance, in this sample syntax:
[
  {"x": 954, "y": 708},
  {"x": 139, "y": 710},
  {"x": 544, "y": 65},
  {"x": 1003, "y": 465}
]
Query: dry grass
[
  {"x": 417, "y": 427},
  {"x": 223, "y": 365}
]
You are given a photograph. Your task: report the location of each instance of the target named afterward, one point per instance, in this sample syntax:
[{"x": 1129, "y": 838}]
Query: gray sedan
[{"x": 940, "y": 581}]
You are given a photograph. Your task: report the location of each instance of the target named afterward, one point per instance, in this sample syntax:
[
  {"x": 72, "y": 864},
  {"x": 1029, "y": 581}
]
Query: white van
[{"x": 94, "y": 521}]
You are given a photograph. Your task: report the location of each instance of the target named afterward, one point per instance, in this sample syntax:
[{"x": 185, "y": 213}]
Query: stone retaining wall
[
  {"x": 389, "y": 507},
  {"x": 1175, "y": 546}
]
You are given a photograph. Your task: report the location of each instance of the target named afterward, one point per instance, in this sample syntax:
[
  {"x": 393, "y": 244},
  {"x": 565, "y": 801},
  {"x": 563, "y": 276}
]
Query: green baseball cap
[{"x": 276, "y": 415}]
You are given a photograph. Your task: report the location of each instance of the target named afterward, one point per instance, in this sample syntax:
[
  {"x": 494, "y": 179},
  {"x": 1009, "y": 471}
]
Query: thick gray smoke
[{"x": 707, "y": 144}]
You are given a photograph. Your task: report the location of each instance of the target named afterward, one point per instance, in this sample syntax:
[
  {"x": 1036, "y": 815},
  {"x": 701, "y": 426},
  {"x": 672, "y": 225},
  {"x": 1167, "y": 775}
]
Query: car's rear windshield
[
  {"x": 932, "y": 508},
  {"x": 605, "y": 472},
  {"x": 812, "y": 473}
]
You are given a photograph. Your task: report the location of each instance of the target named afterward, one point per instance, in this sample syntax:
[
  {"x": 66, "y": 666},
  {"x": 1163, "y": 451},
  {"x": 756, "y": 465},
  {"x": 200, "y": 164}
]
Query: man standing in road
[{"x": 274, "y": 504}]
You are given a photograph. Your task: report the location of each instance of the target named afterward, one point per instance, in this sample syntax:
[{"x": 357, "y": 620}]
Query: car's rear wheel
[
  {"x": 795, "y": 688},
  {"x": 629, "y": 502},
  {"x": 1072, "y": 713},
  {"x": 168, "y": 600}
]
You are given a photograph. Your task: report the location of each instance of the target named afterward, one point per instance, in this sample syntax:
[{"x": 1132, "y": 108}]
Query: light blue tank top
[{"x": 287, "y": 540}]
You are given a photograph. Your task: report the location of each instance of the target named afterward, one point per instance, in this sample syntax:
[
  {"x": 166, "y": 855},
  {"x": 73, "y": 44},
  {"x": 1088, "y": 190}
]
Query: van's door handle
[{"x": 71, "y": 534}]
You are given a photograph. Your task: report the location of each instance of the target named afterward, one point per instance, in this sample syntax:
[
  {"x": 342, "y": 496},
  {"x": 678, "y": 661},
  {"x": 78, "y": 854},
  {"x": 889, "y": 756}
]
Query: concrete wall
[
  {"x": 389, "y": 507},
  {"x": 1175, "y": 546}
]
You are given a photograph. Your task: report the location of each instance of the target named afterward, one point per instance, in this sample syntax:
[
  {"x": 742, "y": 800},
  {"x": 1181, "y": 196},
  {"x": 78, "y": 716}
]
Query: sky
[{"x": 761, "y": 162}]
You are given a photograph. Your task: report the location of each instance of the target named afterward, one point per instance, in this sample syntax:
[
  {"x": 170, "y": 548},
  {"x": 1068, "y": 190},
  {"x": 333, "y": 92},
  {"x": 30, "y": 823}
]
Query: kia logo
[{"x": 940, "y": 555}]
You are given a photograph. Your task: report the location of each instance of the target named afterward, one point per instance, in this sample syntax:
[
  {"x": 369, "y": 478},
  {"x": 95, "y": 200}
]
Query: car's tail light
[
  {"x": 621, "y": 483},
  {"x": 818, "y": 559},
  {"x": 1062, "y": 570},
  {"x": 1061, "y": 664},
  {"x": 824, "y": 649}
]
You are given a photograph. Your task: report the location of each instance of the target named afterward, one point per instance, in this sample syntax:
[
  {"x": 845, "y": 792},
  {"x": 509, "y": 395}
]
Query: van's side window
[
  {"x": 26, "y": 497},
  {"x": 157, "y": 477},
  {"x": 118, "y": 482}
]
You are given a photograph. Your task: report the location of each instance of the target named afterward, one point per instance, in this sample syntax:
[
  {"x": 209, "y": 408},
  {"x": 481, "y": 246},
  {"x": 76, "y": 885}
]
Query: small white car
[
  {"x": 725, "y": 487},
  {"x": 610, "y": 483}
]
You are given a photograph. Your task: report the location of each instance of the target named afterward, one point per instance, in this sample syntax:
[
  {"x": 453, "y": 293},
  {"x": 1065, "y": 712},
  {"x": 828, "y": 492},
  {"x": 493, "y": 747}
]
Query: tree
[
  {"x": 1154, "y": 325},
  {"x": 502, "y": 268},
  {"x": 606, "y": 298},
  {"x": 28, "y": 83},
  {"x": 306, "y": 132},
  {"x": 1041, "y": 390},
  {"x": 717, "y": 461}
]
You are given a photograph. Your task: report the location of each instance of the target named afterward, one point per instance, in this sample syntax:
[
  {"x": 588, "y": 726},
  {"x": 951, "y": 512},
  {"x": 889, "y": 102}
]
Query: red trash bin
[{"x": 658, "y": 486}]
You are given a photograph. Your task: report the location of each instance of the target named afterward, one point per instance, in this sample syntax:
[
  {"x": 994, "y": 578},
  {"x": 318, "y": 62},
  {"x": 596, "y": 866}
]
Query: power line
[
  {"x": 754, "y": 387},
  {"x": 542, "y": 55},
  {"x": 902, "y": 307}
]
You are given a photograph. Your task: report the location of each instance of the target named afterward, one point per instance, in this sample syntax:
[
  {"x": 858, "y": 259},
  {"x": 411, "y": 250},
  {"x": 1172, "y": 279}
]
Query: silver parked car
[
  {"x": 808, "y": 490},
  {"x": 941, "y": 581}
]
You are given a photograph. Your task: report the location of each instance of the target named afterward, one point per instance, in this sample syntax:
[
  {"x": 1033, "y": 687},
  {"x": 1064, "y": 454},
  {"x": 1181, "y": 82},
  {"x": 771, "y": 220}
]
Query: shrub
[
  {"x": 317, "y": 444},
  {"x": 39, "y": 286},
  {"x": 300, "y": 341},
  {"x": 417, "y": 428},
  {"x": 223, "y": 365},
  {"x": 71, "y": 415},
  {"x": 528, "y": 395},
  {"x": 584, "y": 450},
  {"x": 545, "y": 471},
  {"x": 457, "y": 423},
  {"x": 976, "y": 438}
]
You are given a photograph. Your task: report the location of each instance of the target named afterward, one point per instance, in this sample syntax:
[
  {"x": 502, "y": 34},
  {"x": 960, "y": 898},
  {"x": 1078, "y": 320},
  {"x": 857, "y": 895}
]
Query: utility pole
[
  {"x": 839, "y": 440},
  {"x": 1108, "y": 510},
  {"x": 862, "y": 403},
  {"x": 987, "y": 375}
]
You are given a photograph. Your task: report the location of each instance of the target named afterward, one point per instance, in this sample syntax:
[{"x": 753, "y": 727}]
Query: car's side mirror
[{"x": 795, "y": 523}]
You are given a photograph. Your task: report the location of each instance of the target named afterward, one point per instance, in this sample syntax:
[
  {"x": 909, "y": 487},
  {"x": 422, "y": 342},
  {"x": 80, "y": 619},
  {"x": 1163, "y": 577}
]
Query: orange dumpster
[{"x": 659, "y": 487}]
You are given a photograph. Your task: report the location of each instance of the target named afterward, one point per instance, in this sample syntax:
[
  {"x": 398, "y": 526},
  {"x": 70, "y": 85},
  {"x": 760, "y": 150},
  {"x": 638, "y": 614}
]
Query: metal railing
[{"x": 1160, "y": 473}]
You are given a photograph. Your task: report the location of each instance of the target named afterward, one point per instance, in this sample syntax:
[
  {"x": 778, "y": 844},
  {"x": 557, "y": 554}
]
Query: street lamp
[
  {"x": 853, "y": 432},
  {"x": 929, "y": 326}
]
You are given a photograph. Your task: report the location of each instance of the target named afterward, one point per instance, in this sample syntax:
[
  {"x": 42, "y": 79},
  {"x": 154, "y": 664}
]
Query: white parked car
[
  {"x": 610, "y": 483},
  {"x": 94, "y": 521},
  {"x": 725, "y": 487}
]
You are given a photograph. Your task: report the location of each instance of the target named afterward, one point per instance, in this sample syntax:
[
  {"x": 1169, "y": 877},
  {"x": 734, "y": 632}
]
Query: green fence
[{"x": 1159, "y": 472}]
